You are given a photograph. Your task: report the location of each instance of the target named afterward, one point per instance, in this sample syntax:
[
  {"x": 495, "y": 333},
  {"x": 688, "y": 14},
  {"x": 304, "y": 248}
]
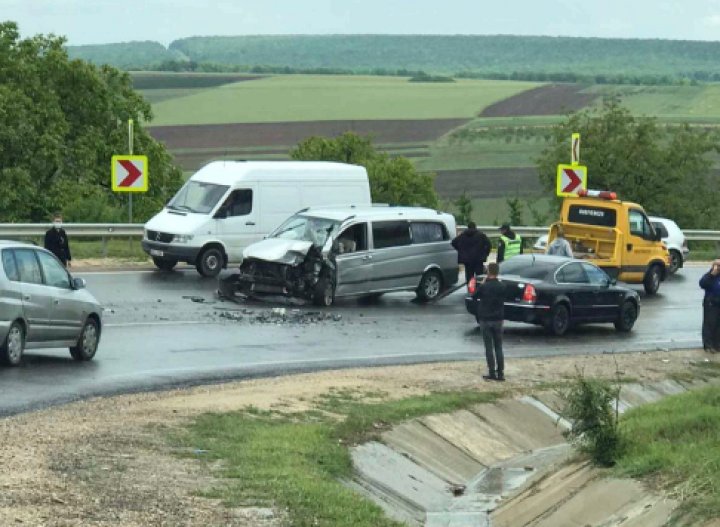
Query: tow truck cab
[{"x": 616, "y": 236}]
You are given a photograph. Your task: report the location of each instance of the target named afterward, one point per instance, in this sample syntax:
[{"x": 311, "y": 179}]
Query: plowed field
[{"x": 553, "y": 99}]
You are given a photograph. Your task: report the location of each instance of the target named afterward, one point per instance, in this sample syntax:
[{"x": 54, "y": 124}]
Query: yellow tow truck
[{"x": 616, "y": 236}]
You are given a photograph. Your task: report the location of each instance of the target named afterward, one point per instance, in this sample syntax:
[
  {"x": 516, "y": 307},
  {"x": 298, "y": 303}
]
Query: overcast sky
[{"x": 102, "y": 21}]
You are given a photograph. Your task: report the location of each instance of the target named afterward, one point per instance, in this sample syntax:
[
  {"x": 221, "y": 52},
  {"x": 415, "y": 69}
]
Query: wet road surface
[{"x": 169, "y": 329}]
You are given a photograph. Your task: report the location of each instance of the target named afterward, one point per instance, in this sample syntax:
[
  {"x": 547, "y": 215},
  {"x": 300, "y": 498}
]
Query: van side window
[
  {"x": 428, "y": 232},
  {"x": 239, "y": 202},
  {"x": 353, "y": 239},
  {"x": 11, "y": 270},
  {"x": 639, "y": 224},
  {"x": 28, "y": 266},
  {"x": 391, "y": 234}
]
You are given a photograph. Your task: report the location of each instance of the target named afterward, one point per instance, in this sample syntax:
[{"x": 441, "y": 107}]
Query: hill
[
  {"x": 623, "y": 61},
  {"x": 451, "y": 54},
  {"x": 126, "y": 55}
]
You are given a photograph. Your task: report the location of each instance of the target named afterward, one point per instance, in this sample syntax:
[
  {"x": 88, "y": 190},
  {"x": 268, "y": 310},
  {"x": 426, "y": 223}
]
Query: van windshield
[
  {"x": 306, "y": 228},
  {"x": 199, "y": 197}
]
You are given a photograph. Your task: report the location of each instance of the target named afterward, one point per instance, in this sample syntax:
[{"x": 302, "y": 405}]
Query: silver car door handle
[
  {"x": 249, "y": 223},
  {"x": 26, "y": 297},
  {"x": 56, "y": 301}
]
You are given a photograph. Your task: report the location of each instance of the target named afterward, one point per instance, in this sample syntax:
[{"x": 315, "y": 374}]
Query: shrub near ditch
[{"x": 591, "y": 408}]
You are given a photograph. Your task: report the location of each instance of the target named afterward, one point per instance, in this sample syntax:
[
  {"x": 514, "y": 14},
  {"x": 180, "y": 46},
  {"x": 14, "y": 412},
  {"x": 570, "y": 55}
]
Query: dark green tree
[
  {"x": 62, "y": 120},
  {"x": 665, "y": 169},
  {"x": 464, "y": 207},
  {"x": 392, "y": 180}
]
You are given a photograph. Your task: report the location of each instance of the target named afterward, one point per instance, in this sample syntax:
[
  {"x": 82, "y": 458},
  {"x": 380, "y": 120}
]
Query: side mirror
[
  {"x": 658, "y": 235},
  {"x": 79, "y": 283}
]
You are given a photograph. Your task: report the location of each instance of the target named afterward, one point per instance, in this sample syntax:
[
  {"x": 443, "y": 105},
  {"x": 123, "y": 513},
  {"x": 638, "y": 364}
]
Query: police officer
[
  {"x": 710, "y": 282},
  {"x": 56, "y": 241},
  {"x": 510, "y": 243}
]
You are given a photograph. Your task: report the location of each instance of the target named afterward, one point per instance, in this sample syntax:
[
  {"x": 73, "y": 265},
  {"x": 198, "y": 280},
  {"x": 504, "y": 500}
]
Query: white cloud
[{"x": 712, "y": 21}]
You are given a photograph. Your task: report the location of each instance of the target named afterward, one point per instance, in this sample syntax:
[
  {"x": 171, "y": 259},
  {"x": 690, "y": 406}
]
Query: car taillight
[
  {"x": 529, "y": 294},
  {"x": 472, "y": 285}
]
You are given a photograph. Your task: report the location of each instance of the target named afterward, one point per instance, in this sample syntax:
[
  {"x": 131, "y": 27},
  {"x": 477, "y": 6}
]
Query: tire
[
  {"x": 210, "y": 262},
  {"x": 88, "y": 341},
  {"x": 559, "y": 321},
  {"x": 165, "y": 264},
  {"x": 324, "y": 293},
  {"x": 675, "y": 261},
  {"x": 430, "y": 287},
  {"x": 12, "y": 349},
  {"x": 627, "y": 317},
  {"x": 652, "y": 280}
]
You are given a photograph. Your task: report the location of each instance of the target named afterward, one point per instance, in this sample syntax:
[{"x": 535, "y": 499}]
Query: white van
[{"x": 227, "y": 205}]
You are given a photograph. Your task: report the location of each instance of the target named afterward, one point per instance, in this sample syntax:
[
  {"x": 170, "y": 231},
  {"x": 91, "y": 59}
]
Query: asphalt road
[{"x": 169, "y": 329}]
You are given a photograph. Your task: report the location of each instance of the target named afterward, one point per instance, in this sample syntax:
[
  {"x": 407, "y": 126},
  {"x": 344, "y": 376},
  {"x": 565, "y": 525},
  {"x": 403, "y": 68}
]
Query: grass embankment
[
  {"x": 676, "y": 443},
  {"x": 297, "y": 461}
]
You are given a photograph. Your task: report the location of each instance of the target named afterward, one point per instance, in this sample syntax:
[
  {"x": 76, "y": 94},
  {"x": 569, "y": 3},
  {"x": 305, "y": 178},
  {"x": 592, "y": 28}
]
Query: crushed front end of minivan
[{"x": 289, "y": 263}]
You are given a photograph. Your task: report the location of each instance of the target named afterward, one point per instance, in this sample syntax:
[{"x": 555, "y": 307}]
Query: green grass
[
  {"x": 159, "y": 95},
  {"x": 677, "y": 443},
  {"x": 317, "y": 97},
  {"x": 296, "y": 461},
  {"x": 480, "y": 154},
  {"x": 671, "y": 103}
]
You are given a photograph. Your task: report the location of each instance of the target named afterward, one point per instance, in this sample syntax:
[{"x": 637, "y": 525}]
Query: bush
[{"x": 589, "y": 408}]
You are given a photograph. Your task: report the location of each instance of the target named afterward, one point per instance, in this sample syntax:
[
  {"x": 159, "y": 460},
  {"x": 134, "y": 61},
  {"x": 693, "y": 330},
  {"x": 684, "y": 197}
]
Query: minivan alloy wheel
[
  {"x": 15, "y": 344},
  {"x": 11, "y": 350}
]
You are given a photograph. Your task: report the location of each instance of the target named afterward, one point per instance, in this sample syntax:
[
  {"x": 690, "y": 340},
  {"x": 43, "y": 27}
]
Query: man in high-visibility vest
[{"x": 510, "y": 244}]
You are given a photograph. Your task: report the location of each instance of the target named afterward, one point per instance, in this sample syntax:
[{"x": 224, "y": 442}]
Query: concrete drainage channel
[{"x": 503, "y": 465}]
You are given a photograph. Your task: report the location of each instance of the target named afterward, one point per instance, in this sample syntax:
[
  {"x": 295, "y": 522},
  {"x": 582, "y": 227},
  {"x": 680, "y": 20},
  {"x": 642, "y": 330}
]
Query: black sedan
[{"x": 558, "y": 292}]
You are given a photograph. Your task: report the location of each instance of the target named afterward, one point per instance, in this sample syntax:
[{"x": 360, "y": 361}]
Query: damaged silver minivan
[{"x": 320, "y": 254}]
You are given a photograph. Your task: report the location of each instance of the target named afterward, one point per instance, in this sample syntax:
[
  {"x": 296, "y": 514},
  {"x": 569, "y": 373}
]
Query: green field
[
  {"x": 318, "y": 98},
  {"x": 670, "y": 103}
]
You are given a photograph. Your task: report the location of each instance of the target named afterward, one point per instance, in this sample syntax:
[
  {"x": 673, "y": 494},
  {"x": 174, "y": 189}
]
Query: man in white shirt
[{"x": 560, "y": 246}]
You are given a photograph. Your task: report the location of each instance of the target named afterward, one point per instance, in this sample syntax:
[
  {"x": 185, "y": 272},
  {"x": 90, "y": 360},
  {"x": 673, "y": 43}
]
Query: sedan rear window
[{"x": 531, "y": 270}]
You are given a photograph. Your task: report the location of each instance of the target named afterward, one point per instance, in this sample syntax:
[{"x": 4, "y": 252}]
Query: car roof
[
  {"x": 375, "y": 213},
  {"x": 231, "y": 172},
  {"x": 15, "y": 243}
]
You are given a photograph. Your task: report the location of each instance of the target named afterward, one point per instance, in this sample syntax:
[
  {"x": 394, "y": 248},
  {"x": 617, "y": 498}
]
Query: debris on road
[{"x": 279, "y": 315}]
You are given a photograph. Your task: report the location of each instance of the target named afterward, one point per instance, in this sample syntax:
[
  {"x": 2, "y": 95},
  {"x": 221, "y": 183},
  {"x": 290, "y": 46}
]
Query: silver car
[{"x": 43, "y": 306}]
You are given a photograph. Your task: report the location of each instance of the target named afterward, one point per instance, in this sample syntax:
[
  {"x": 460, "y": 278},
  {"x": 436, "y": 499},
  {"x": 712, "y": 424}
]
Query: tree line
[
  {"x": 62, "y": 121},
  {"x": 551, "y": 59}
]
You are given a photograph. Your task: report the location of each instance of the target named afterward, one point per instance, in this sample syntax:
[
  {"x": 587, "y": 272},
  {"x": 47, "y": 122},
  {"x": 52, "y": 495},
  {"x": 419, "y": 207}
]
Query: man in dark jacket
[
  {"x": 710, "y": 282},
  {"x": 473, "y": 248},
  {"x": 56, "y": 241},
  {"x": 509, "y": 245},
  {"x": 490, "y": 315}
]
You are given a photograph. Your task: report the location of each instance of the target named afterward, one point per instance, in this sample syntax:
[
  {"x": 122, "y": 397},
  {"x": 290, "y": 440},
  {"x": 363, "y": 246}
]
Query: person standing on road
[
  {"x": 710, "y": 282},
  {"x": 510, "y": 244},
  {"x": 490, "y": 315},
  {"x": 56, "y": 241},
  {"x": 473, "y": 248},
  {"x": 560, "y": 246}
]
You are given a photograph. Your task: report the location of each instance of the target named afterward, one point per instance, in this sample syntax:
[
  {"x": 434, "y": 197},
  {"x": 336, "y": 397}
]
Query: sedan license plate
[{"x": 155, "y": 252}]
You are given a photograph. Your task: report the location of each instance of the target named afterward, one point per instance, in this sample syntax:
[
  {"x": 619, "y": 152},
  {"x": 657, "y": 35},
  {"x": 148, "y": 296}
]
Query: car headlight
[{"x": 182, "y": 238}]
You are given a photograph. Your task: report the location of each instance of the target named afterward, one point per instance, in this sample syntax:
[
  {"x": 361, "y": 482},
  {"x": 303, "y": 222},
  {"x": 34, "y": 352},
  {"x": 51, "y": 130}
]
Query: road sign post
[
  {"x": 575, "y": 149},
  {"x": 129, "y": 173},
  {"x": 571, "y": 179}
]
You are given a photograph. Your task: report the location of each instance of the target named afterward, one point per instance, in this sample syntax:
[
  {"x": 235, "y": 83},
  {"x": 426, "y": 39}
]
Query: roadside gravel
[{"x": 107, "y": 461}]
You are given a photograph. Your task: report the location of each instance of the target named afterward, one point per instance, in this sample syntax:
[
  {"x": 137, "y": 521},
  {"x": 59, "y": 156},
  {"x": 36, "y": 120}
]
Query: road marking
[{"x": 159, "y": 323}]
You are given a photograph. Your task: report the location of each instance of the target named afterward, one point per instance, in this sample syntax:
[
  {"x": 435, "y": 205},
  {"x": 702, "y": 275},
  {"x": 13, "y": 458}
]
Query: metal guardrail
[
  {"x": 82, "y": 230},
  {"x": 110, "y": 230}
]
